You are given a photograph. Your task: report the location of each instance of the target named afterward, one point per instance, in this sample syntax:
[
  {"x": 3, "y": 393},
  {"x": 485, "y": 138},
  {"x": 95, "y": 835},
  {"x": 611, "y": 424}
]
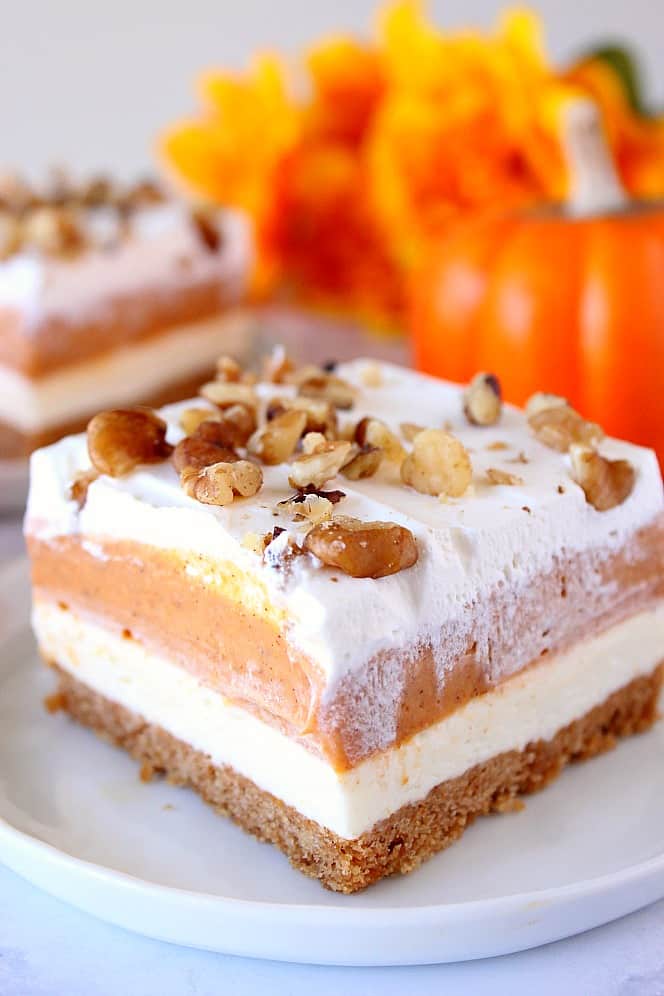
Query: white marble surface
[{"x": 50, "y": 949}]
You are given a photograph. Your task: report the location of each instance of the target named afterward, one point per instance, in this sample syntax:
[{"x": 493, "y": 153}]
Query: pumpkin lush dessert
[
  {"x": 354, "y": 609},
  {"x": 109, "y": 295}
]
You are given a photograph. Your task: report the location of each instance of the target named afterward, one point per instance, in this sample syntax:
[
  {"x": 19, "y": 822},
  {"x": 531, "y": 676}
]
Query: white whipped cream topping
[
  {"x": 127, "y": 375},
  {"x": 162, "y": 253},
  {"x": 531, "y": 706},
  {"x": 468, "y": 547}
]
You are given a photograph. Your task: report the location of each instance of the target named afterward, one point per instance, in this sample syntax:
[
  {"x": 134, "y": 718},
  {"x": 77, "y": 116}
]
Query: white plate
[{"x": 76, "y": 821}]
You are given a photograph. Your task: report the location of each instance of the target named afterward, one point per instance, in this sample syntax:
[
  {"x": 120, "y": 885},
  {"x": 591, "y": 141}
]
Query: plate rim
[{"x": 590, "y": 887}]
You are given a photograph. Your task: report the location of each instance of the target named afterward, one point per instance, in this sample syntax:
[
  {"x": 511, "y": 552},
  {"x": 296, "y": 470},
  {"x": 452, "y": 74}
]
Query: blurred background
[
  {"x": 90, "y": 84},
  {"x": 465, "y": 186}
]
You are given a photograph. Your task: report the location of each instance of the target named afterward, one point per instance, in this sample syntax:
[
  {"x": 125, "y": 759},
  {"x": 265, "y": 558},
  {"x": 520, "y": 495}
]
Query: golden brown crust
[{"x": 402, "y": 841}]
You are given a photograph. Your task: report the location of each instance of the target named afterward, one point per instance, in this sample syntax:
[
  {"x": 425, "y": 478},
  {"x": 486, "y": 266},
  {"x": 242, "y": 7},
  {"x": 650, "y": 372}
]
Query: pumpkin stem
[{"x": 594, "y": 183}]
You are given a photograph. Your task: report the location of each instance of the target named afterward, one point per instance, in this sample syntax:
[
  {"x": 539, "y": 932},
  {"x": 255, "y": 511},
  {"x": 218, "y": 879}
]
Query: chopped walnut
[
  {"x": 218, "y": 483},
  {"x": 79, "y": 486},
  {"x": 228, "y": 370},
  {"x": 281, "y": 550},
  {"x": 363, "y": 549},
  {"x": 191, "y": 418},
  {"x": 560, "y": 426},
  {"x": 232, "y": 427},
  {"x": 225, "y": 393},
  {"x": 439, "y": 464},
  {"x": 321, "y": 416},
  {"x": 122, "y": 438},
  {"x": 371, "y": 375},
  {"x": 373, "y": 432},
  {"x": 363, "y": 464},
  {"x": 255, "y": 542},
  {"x": 333, "y": 496},
  {"x": 541, "y": 402},
  {"x": 482, "y": 400},
  {"x": 195, "y": 453},
  {"x": 312, "y": 382},
  {"x": 314, "y": 507},
  {"x": 313, "y": 441},
  {"x": 321, "y": 466},
  {"x": 497, "y": 476},
  {"x": 54, "y": 231},
  {"x": 605, "y": 483},
  {"x": 277, "y": 440},
  {"x": 409, "y": 430},
  {"x": 277, "y": 366},
  {"x": 498, "y": 445}
]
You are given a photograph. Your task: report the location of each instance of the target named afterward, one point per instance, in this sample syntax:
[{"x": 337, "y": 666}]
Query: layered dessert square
[
  {"x": 109, "y": 295},
  {"x": 353, "y": 608}
]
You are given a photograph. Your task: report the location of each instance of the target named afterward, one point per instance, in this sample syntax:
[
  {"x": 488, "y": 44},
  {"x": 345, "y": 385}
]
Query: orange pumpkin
[{"x": 568, "y": 299}]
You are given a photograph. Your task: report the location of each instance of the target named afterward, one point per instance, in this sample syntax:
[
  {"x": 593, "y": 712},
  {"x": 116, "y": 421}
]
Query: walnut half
[
  {"x": 276, "y": 442},
  {"x": 559, "y": 426},
  {"x": 605, "y": 483},
  {"x": 438, "y": 465},
  {"x": 320, "y": 466},
  {"x": 482, "y": 400},
  {"x": 122, "y": 438},
  {"x": 218, "y": 483},
  {"x": 363, "y": 549}
]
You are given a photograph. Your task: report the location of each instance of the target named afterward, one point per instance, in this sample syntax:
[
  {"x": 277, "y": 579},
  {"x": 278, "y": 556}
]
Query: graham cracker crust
[{"x": 402, "y": 841}]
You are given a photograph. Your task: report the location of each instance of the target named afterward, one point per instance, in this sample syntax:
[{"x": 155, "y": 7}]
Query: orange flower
[
  {"x": 347, "y": 83},
  {"x": 236, "y": 150},
  {"x": 350, "y": 177}
]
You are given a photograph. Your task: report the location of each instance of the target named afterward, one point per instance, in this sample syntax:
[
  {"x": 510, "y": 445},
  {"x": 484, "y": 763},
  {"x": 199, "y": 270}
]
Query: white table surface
[{"x": 50, "y": 949}]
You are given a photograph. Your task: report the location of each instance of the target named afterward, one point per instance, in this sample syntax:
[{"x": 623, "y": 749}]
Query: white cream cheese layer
[
  {"x": 533, "y": 705},
  {"x": 493, "y": 537},
  {"x": 126, "y": 375}
]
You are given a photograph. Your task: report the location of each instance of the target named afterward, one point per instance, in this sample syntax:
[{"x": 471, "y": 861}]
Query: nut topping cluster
[
  {"x": 605, "y": 483},
  {"x": 238, "y": 432},
  {"x": 53, "y": 220}
]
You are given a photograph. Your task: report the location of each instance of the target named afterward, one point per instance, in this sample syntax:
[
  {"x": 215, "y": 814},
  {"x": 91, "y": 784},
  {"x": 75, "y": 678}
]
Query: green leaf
[{"x": 624, "y": 63}]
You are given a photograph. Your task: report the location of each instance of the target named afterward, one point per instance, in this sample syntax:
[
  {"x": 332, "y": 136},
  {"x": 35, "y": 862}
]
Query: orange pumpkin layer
[{"x": 148, "y": 593}]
